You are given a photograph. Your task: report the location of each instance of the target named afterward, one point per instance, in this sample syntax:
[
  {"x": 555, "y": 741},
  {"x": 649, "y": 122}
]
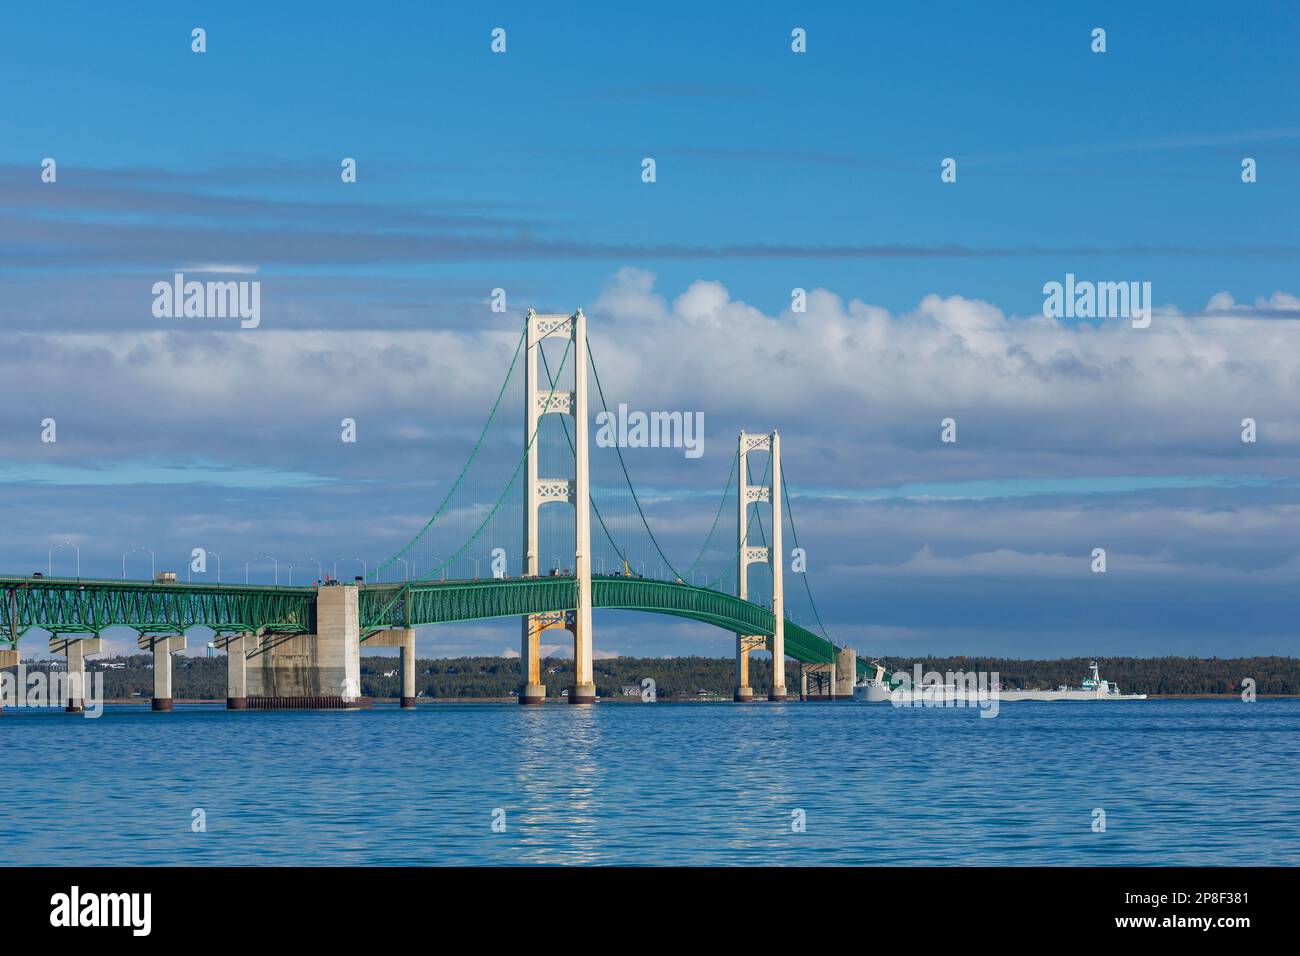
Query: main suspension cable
[
  {"x": 459, "y": 478},
  {"x": 626, "y": 476}
]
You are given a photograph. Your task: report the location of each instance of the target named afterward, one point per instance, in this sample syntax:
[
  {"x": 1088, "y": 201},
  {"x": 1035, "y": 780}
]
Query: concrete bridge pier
[
  {"x": 163, "y": 646},
  {"x": 338, "y": 640},
  {"x": 820, "y": 681},
  {"x": 8, "y": 660},
  {"x": 402, "y": 638},
  {"x": 77, "y": 649},
  {"x": 237, "y": 647},
  {"x": 846, "y": 673},
  {"x": 321, "y": 670}
]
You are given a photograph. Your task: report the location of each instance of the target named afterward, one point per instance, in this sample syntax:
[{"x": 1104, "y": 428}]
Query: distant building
[{"x": 631, "y": 690}]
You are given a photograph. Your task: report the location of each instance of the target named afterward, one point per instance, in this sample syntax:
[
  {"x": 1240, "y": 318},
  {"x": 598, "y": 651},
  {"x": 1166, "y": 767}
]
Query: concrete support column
[
  {"x": 803, "y": 682},
  {"x": 237, "y": 647},
  {"x": 163, "y": 646},
  {"x": 846, "y": 673},
  {"x": 743, "y": 691},
  {"x": 77, "y": 649},
  {"x": 403, "y": 638},
  {"x": 531, "y": 688},
  {"x": 408, "y": 669},
  {"x": 778, "y": 587}
]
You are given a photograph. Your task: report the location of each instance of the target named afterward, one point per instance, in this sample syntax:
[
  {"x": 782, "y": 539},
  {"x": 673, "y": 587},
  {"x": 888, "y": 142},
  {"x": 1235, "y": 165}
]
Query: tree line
[{"x": 198, "y": 678}]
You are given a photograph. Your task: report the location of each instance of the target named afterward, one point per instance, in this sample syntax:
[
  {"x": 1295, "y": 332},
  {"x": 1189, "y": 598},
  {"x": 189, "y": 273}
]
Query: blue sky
[
  {"x": 1067, "y": 159},
  {"x": 774, "y": 171}
]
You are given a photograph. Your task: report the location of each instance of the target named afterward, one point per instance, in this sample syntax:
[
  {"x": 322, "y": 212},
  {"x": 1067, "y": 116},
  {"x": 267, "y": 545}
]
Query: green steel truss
[
  {"x": 448, "y": 601},
  {"x": 442, "y": 602},
  {"x": 72, "y": 606},
  {"x": 84, "y": 606}
]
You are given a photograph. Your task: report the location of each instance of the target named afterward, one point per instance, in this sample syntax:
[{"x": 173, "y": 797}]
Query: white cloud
[{"x": 847, "y": 375}]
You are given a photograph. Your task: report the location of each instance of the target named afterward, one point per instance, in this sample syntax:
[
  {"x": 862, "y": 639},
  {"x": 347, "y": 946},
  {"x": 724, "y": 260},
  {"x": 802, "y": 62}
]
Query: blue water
[{"x": 1180, "y": 782}]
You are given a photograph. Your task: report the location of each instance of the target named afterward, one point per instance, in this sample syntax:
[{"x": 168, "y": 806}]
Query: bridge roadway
[{"x": 90, "y": 606}]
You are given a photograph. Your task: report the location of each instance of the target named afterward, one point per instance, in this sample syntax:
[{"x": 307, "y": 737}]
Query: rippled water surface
[{"x": 1182, "y": 782}]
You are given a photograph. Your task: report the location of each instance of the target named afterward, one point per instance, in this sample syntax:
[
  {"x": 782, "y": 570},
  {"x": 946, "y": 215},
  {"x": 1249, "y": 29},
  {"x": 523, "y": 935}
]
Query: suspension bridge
[{"x": 300, "y": 646}]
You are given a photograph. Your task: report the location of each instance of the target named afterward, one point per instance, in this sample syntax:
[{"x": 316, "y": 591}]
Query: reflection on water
[
  {"x": 559, "y": 773},
  {"x": 1179, "y": 782}
]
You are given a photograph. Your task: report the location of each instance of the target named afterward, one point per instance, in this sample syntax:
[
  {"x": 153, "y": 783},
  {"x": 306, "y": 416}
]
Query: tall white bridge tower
[{"x": 576, "y": 491}]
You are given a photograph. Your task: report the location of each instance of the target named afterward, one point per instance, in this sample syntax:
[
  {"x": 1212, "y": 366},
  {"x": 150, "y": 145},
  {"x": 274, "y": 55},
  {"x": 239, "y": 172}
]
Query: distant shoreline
[
  {"x": 144, "y": 701},
  {"x": 495, "y": 679}
]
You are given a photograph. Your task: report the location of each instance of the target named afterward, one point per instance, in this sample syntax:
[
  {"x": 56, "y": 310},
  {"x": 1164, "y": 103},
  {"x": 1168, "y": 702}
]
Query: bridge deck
[{"x": 81, "y": 606}]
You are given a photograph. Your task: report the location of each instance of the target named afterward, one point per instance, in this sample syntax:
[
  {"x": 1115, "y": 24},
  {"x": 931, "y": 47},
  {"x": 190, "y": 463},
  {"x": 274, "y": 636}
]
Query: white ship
[{"x": 877, "y": 689}]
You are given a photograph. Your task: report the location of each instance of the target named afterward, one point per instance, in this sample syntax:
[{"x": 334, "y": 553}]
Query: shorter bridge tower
[{"x": 746, "y": 555}]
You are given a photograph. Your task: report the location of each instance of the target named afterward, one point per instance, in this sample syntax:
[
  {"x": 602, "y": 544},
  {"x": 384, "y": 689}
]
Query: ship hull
[
  {"x": 923, "y": 693},
  {"x": 953, "y": 695},
  {"x": 1064, "y": 695},
  {"x": 871, "y": 694}
]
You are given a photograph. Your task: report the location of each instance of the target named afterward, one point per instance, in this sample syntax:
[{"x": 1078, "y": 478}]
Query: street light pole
[
  {"x": 277, "y": 568},
  {"x": 50, "y": 565}
]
